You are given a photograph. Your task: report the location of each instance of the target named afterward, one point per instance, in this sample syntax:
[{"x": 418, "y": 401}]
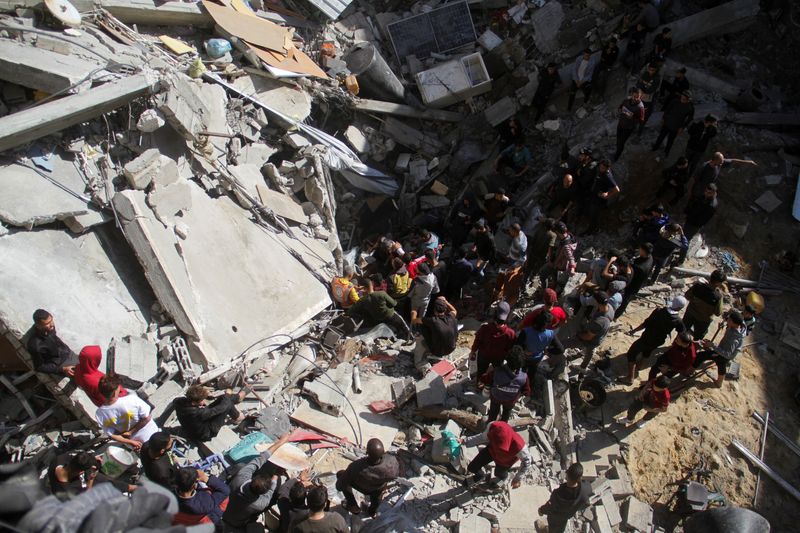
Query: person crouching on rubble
[
  {"x": 344, "y": 291},
  {"x": 508, "y": 383},
  {"x": 207, "y": 502},
  {"x": 201, "y": 422},
  {"x": 653, "y": 397},
  {"x": 368, "y": 475},
  {"x": 126, "y": 419},
  {"x": 504, "y": 448}
]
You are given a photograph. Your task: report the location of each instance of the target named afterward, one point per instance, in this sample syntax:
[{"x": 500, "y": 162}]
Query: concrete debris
[
  {"x": 546, "y": 22},
  {"x": 45, "y": 70},
  {"x": 149, "y": 121},
  {"x": 356, "y": 139},
  {"x": 329, "y": 392},
  {"x": 149, "y": 167},
  {"x": 430, "y": 390},
  {"x": 768, "y": 202},
  {"x": 637, "y": 516},
  {"x": 134, "y": 358}
]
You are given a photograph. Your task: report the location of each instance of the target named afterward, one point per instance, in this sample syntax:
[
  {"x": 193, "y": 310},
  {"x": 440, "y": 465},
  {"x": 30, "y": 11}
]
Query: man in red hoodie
[
  {"x": 504, "y": 447},
  {"x": 87, "y": 374},
  {"x": 550, "y": 299},
  {"x": 493, "y": 341},
  {"x": 678, "y": 359}
]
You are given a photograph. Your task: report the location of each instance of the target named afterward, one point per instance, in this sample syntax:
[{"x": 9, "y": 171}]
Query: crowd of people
[{"x": 414, "y": 282}]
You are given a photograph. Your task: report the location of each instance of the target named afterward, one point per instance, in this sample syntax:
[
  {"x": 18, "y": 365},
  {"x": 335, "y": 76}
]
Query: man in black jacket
[
  {"x": 677, "y": 116},
  {"x": 700, "y": 134},
  {"x": 202, "y": 422},
  {"x": 657, "y": 328},
  {"x": 675, "y": 178},
  {"x": 548, "y": 80},
  {"x": 567, "y": 500},
  {"x": 50, "y": 354},
  {"x": 642, "y": 266},
  {"x": 631, "y": 115},
  {"x": 158, "y": 466},
  {"x": 700, "y": 211}
]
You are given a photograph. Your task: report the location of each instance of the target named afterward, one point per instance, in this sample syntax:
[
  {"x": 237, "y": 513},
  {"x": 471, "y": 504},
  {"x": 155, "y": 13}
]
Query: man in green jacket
[{"x": 378, "y": 307}]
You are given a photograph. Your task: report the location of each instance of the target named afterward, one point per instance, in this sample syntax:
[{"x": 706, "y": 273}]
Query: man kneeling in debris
[
  {"x": 344, "y": 291},
  {"x": 50, "y": 354},
  {"x": 126, "y": 419},
  {"x": 209, "y": 502},
  {"x": 368, "y": 475},
  {"x": 439, "y": 334},
  {"x": 653, "y": 397},
  {"x": 251, "y": 493},
  {"x": 727, "y": 349},
  {"x": 378, "y": 307},
  {"x": 201, "y": 423},
  {"x": 504, "y": 447},
  {"x": 569, "y": 498}
]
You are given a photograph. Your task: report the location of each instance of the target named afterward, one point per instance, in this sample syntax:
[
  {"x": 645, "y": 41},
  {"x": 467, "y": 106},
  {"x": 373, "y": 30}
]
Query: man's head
[
  {"x": 585, "y": 155},
  {"x": 612, "y": 42},
  {"x": 652, "y": 68},
  {"x": 515, "y": 229},
  {"x": 636, "y": 94},
  {"x": 549, "y": 297},
  {"x": 567, "y": 180},
  {"x": 574, "y": 473},
  {"x": 82, "y": 462},
  {"x": 501, "y": 312},
  {"x": 109, "y": 387},
  {"x": 196, "y": 394},
  {"x": 317, "y": 499},
  {"x": 717, "y": 159},
  {"x": 749, "y": 311},
  {"x": 673, "y": 228},
  {"x": 44, "y": 322},
  {"x": 601, "y": 297},
  {"x": 682, "y": 162},
  {"x": 348, "y": 271},
  {"x": 397, "y": 263},
  {"x": 678, "y": 303},
  {"x": 561, "y": 229},
  {"x": 424, "y": 268},
  {"x": 551, "y": 68},
  {"x": 735, "y": 319},
  {"x": 439, "y": 307},
  {"x": 500, "y": 195},
  {"x": 542, "y": 320},
  {"x": 680, "y": 73},
  {"x": 603, "y": 165},
  {"x": 160, "y": 443},
  {"x": 515, "y": 358},
  {"x": 710, "y": 120},
  {"x": 710, "y": 191},
  {"x": 646, "y": 249},
  {"x": 186, "y": 480},
  {"x": 718, "y": 277},
  {"x": 587, "y": 54},
  {"x": 260, "y": 485},
  {"x": 548, "y": 223},
  {"x": 667, "y": 32},
  {"x": 661, "y": 383},
  {"x": 297, "y": 494},
  {"x": 375, "y": 451},
  {"x": 683, "y": 339},
  {"x": 479, "y": 227}
]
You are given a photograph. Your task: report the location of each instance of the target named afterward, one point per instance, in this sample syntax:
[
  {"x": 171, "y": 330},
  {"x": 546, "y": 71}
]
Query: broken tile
[
  {"x": 430, "y": 390},
  {"x": 768, "y": 201}
]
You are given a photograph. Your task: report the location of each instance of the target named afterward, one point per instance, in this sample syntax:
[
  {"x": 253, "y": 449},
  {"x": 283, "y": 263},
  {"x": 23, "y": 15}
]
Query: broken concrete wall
[{"x": 229, "y": 282}]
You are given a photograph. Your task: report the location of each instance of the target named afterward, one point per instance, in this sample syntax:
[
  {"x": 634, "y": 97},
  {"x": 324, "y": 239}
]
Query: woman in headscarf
[{"x": 87, "y": 374}]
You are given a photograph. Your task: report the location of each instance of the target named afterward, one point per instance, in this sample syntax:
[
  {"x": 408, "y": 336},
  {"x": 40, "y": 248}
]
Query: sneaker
[{"x": 623, "y": 420}]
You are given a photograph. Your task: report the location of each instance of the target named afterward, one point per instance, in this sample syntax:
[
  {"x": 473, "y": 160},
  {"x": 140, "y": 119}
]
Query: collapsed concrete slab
[
  {"x": 229, "y": 283},
  {"x": 281, "y": 97},
  {"x": 41, "y": 69}
]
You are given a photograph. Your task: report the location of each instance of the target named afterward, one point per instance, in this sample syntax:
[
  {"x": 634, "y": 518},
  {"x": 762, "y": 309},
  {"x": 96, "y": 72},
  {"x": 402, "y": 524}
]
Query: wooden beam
[
  {"x": 28, "y": 125},
  {"x": 389, "y": 108}
]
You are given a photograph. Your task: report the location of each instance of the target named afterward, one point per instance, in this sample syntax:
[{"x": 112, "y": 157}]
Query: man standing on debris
[
  {"x": 377, "y": 307},
  {"x": 517, "y": 158},
  {"x": 700, "y": 210},
  {"x": 608, "y": 57},
  {"x": 50, "y": 354},
  {"x": 508, "y": 383},
  {"x": 484, "y": 245},
  {"x": 676, "y": 117},
  {"x": 125, "y": 419},
  {"x": 563, "y": 195},
  {"x": 709, "y": 172},
  {"x": 678, "y": 359},
  {"x": 439, "y": 334},
  {"x": 536, "y": 339},
  {"x": 648, "y": 83},
  {"x": 548, "y": 80},
  {"x": 633, "y": 52},
  {"x": 422, "y": 290},
  {"x": 567, "y": 500},
  {"x": 675, "y": 178},
  {"x": 604, "y": 187},
  {"x": 631, "y": 115},
  {"x": 594, "y": 329},
  {"x": 700, "y": 134},
  {"x": 582, "y": 73},
  {"x": 561, "y": 263},
  {"x": 157, "y": 464},
  {"x": 399, "y": 279},
  {"x": 492, "y": 341},
  {"x": 657, "y": 328},
  {"x": 251, "y": 492},
  {"x": 202, "y": 422},
  {"x": 670, "y": 90},
  {"x": 540, "y": 246},
  {"x": 368, "y": 475},
  {"x": 495, "y": 207},
  {"x": 662, "y": 45},
  {"x": 641, "y": 266},
  {"x": 505, "y": 448},
  {"x": 648, "y": 15},
  {"x": 343, "y": 289},
  {"x": 670, "y": 240},
  {"x": 653, "y": 397},
  {"x": 705, "y": 302},
  {"x": 728, "y": 348}
]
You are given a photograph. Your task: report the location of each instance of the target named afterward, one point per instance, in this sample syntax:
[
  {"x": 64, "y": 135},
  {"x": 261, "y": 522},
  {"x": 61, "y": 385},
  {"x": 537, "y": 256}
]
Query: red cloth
[
  {"x": 559, "y": 317},
  {"x": 681, "y": 359},
  {"x": 87, "y": 375},
  {"x": 504, "y": 444},
  {"x": 493, "y": 341},
  {"x": 654, "y": 398}
]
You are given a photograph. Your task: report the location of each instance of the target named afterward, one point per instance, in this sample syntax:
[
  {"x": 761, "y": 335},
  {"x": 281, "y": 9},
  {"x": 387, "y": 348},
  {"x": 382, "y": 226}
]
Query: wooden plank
[
  {"x": 20, "y": 128},
  {"x": 753, "y": 458},
  {"x": 41, "y": 69},
  {"x": 389, "y": 108}
]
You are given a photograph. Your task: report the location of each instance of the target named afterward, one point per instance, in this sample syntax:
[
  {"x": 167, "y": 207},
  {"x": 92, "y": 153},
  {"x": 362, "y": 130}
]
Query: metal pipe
[
  {"x": 761, "y": 456},
  {"x": 753, "y": 458}
]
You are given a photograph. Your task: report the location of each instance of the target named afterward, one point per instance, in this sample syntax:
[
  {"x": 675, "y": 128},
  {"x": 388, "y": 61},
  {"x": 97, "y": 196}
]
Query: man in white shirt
[
  {"x": 582, "y": 74},
  {"x": 125, "y": 419}
]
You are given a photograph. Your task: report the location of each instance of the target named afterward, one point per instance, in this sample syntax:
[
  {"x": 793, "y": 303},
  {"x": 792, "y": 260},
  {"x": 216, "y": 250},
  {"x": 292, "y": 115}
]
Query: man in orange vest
[{"x": 343, "y": 289}]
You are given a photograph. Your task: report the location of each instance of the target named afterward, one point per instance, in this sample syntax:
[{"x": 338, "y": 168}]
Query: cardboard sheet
[
  {"x": 254, "y": 30},
  {"x": 175, "y": 45},
  {"x": 295, "y": 61}
]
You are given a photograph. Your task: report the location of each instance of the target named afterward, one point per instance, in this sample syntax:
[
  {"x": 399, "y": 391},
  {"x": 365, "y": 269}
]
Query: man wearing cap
[
  {"x": 561, "y": 262},
  {"x": 705, "y": 302},
  {"x": 368, "y": 475},
  {"x": 493, "y": 340},
  {"x": 700, "y": 210},
  {"x": 700, "y": 134},
  {"x": 582, "y": 74},
  {"x": 548, "y": 80},
  {"x": 631, "y": 115},
  {"x": 439, "y": 334},
  {"x": 678, "y": 115},
  {"x": 251, "y": 492},
  {"x": 727, "y": 349},
  {"x": 594, "y": 329},
  {"x": 549, "y": 299},
  {"x": 657, "y": 328}
]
